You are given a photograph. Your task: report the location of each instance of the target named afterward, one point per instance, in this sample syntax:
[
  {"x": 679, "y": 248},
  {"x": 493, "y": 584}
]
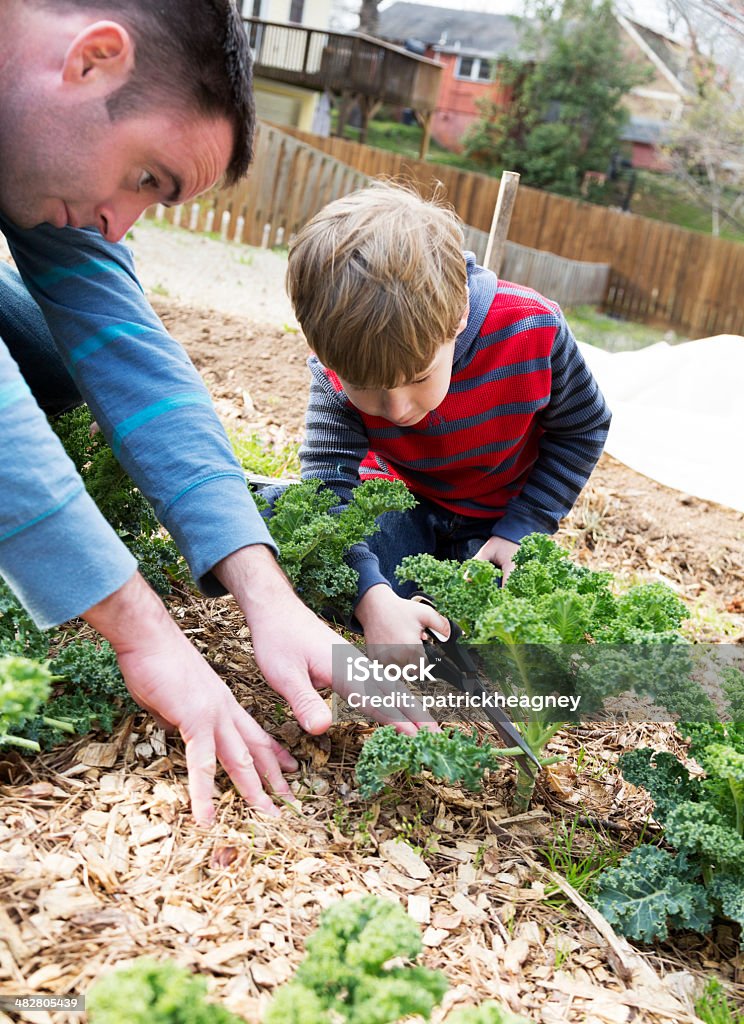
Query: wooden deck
[{"x": 350, "y": 66}]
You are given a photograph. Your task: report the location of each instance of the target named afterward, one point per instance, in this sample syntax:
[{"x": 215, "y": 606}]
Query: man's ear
[{"x": 101, "y": 58}]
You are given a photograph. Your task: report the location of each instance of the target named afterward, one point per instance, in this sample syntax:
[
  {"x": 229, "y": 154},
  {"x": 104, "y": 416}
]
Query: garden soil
[{"x": 100, "y": 861}]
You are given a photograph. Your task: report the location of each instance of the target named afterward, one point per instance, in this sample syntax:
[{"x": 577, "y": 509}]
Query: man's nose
[{"x": 115, "y": 218}]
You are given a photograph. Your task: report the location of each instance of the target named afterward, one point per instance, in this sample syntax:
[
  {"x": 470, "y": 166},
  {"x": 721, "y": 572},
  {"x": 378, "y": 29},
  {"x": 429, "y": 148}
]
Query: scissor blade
[
  {"x": 503, "y": 725},
  {"x": 457, "y": 667}
]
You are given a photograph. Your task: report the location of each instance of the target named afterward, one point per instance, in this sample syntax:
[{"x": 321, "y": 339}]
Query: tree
[
  {"x": 706, "y": 150},
  {"x": 565, "y": 113},
  {"x": 706, "y": 146}
]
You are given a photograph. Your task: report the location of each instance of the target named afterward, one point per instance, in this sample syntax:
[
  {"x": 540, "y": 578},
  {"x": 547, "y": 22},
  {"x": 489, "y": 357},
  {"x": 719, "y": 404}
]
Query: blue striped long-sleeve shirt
[{"x": 56, "y": 550}]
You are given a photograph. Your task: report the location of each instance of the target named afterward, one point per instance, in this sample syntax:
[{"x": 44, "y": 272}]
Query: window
[
  {"x": 465, "y": 67},
  {"x": 296, "y": 10},
  {"x": 477, "y": 69}
]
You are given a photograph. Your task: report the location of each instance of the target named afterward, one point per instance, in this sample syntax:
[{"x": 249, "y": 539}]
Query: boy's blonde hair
[{"x": 378, "y": 282}]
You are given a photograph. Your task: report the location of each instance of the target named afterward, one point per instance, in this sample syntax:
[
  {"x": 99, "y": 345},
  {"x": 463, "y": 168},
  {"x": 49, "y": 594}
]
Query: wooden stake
[
  {"x": 501, "y": 219},
  {"x": 426, "y": 136}
]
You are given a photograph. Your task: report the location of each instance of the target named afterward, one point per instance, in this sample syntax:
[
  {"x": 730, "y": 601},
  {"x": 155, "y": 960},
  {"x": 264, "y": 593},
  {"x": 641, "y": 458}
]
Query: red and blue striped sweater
[{"x": 515, "y": 439}]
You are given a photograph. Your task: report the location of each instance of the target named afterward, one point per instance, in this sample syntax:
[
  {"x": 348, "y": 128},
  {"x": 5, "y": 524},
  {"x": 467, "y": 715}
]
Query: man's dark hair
[{"x": 191, "y": 54}]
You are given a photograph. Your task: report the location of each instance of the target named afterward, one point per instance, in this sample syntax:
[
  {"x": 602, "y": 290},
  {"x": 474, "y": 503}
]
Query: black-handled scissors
[{"x": 455, "y": 665}]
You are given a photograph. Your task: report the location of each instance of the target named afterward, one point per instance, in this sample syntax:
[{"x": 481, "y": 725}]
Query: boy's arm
[
  {"x": 576, "y": 421},
  {"x": 335, "y": 444}
]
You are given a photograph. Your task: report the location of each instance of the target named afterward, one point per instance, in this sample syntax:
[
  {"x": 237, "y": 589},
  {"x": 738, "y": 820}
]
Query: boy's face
[{"x": 408, "y": 404}]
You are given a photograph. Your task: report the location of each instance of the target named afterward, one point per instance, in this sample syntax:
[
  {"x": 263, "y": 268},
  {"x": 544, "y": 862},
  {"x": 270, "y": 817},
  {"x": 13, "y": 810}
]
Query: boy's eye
[
  {"x": 147, "y": 180},
  {"x": 422, "y": 380}
]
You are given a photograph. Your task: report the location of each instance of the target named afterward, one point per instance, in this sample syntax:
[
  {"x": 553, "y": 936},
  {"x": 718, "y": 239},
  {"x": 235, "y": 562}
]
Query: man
[{"x": 105, "y": 110}]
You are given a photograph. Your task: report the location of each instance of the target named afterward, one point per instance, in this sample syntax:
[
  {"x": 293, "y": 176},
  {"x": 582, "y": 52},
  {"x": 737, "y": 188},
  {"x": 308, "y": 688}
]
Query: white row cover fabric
[{"x": 678, "y": 413}]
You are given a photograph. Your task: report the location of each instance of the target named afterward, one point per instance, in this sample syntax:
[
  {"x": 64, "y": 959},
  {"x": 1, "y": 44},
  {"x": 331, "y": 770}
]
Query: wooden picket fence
[
  {"x": 291, "y": 181},
  {"x": 569, "y": 282},
  {"x": 657, "y": 272}
]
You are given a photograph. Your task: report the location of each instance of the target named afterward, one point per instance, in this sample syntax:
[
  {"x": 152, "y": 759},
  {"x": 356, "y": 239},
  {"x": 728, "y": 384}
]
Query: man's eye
[{"x": 147, "y": 180}]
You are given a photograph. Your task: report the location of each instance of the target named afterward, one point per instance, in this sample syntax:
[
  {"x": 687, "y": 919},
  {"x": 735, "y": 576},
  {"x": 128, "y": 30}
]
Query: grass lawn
[
  {"x": 662, "y": 197},
  {"x": 612, "y": 334},
  {"x": 406, "y": 139}
]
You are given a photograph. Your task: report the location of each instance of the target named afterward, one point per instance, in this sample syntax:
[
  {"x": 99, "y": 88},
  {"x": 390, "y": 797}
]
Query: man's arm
[
  {"x": 144, "y": 392},
  {"x": 63, "y": 559},
  {"x": 335, "y": 444},
  {"x": 576, "y": 422},
  {"x": 57, "y": 551}
]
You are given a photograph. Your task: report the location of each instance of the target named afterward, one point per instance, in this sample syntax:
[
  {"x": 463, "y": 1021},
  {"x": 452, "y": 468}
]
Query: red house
[{"x": 469, "y": 44}]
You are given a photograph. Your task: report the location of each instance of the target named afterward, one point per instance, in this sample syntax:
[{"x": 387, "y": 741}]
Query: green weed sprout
[{"x": 486, "y": 1013}]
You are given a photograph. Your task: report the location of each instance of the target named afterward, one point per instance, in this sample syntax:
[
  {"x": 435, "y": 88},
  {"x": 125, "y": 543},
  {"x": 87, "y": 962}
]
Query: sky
[{"x": 648, "y": 12}]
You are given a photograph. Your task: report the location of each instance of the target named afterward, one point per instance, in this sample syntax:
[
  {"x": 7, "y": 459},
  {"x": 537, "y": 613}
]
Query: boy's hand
[
  {"x": 390, "y": 620},
  {"x": 501, "y": 552}
]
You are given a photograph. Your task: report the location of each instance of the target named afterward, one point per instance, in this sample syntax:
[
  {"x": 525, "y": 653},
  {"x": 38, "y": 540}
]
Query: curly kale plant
[
  {"x": 450, "y": 755},
  {"x": 85, "y": 688},
  {"x": 148, "y": 992},
  {"x": 120, "y": 502},
  {"x": 349, "y": 972},
  {"x": 313, "y": 539},
  {"x": 653, "y": 891},
  {"x": 24, "y": 685},
  {"x": 89, "y": 692},
  {"x": 558, "y": 627}
]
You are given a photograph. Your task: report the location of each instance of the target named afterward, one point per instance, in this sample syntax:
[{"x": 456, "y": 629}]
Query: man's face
[{"x": 81, "y": 169}]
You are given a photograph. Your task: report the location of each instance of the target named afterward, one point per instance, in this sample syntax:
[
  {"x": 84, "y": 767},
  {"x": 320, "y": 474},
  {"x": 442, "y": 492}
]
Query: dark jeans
[
  {"x": 426, "y": 529},
  {"x": 27, "y": 337}
]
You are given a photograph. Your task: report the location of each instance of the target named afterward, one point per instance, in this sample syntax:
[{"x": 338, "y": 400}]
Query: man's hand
[
  {"x": 167, "y": 676},
  {"x": 391, "y": 620},
  {"x": 501, "y": 552},
  {"x": 293, "y": 648}
]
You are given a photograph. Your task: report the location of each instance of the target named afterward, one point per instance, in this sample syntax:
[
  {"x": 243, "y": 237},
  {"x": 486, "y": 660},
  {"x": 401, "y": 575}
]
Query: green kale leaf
[
  {"x": 314, "y": 535},
  {"x": 148, "y": 992},
  {"x": 650, "y": 892},
  {"x": 348, "y": 974},
  {"x": 24, "y": 686},
  {"x": 451, "y": 755}
]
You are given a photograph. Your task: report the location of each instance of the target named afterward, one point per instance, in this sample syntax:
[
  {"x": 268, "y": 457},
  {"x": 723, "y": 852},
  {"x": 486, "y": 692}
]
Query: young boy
[{"x": 428, "y": 368}]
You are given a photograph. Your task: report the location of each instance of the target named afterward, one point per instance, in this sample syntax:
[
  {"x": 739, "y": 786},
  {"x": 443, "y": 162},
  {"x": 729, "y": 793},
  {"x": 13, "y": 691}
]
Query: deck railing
[{"x": 343, "y": 63}]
